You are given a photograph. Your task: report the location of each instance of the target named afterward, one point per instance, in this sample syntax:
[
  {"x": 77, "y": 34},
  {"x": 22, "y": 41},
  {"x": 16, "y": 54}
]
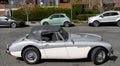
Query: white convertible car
[{"x": 53, "y": 42}]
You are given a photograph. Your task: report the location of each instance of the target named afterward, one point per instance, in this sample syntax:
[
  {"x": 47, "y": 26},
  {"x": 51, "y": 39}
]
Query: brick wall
[
  {"x": 2, "y": 7},
  {"x": 2, "y": 13},
  {"x": 117, "y": 3},
  {"x": 64, "y": 5}
]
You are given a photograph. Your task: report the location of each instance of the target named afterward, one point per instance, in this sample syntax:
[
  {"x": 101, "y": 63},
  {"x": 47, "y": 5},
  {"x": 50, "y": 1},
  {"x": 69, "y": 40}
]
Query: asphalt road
[{"x": 110, "y": 34}]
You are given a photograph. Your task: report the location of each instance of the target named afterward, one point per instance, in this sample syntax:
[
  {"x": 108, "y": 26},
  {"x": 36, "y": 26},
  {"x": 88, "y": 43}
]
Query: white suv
[{"x": 106, "y": 17}]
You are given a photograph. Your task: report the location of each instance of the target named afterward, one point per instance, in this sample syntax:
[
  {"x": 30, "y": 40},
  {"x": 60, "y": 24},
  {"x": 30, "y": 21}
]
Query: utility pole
[
  {"x": 10, "y": 7},
  {"x": 72, "y": 3}
]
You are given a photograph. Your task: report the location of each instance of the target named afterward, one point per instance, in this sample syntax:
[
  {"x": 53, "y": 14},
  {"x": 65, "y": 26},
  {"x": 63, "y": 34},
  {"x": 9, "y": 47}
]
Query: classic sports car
[{"x": 53, "y": 42}]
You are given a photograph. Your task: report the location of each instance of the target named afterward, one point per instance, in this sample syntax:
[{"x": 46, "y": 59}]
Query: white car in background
[{"x": 106, "y": 17}]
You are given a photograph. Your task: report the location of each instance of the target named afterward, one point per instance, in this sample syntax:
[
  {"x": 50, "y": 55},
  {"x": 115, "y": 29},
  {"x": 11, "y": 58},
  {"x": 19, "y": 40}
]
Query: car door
[
  {"x": 4, "y": 21},
  {"x": 62, "y": 19},
  {"x": 76, "y": 50},
  {"x": 114, "y": 16},
  {"x": 105, "y": 17},
  {"x": 54, "y": 49},
  {"x": 54, "y": 19}
]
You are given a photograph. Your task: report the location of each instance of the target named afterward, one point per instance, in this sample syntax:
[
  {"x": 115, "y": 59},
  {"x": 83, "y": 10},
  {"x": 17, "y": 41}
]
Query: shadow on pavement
[
  {"x": 113, "y": 58},
  {"x": 16, "y": 27}
]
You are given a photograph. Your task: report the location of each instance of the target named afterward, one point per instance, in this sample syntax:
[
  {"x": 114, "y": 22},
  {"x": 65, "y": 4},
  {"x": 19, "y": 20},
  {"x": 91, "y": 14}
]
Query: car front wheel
[
  {"x": 31, "y": 55},
  {"x": 13, "y": 25},
  {"x": 96, "y": 24},
  {"x": 66, "y": 24},
  {"x": 118, "y": 23},
  {"x": 99, "y": 55},
  {"x": 45, "y": 23}
]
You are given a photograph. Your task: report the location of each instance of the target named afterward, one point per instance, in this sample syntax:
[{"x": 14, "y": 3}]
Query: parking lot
[{"x": 110, "y": 34}]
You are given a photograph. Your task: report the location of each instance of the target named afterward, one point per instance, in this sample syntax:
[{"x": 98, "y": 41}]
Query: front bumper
[
  {"x": 7, "y": 50},
  {"x": 111, "y": 53}
]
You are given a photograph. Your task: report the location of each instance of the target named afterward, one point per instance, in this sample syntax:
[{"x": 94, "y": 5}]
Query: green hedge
[
  {"x": 36, "y": 14},
  {"x": 116, "y": 8},
  {"x": 84, "y": 16}
]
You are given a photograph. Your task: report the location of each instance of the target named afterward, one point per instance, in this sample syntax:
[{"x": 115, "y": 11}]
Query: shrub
[
  {"x": 117, "y": 8},
  {"x": 91, "y": 11},
  {"x": 38, "y": 13},
  {"x": 84, "y": 16}
]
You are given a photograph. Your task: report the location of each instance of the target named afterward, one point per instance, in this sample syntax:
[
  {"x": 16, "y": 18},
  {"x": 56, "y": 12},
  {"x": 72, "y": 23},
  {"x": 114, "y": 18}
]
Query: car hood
[
  {"x": 94, "y": 17},
  {"x": 44, "y": 19},
  {"x": 86, "y": 37}
]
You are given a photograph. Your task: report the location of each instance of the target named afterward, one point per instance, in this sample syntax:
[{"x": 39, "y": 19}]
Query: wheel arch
[
  {"x": 117, "y": 19},
  {"x": 30, "y": 46},
  {"x": 66, "y": 21},
  {"x": 96, "y": 20},
  {"x": 89, "y": 53}
]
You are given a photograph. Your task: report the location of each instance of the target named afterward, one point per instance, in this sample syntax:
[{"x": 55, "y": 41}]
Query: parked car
[
  {"x": 57, "y": 19},
  {"x": 53, "y": 42},
  {"x": 106, "y": 17},
  {"x": 10, "y": 21}
]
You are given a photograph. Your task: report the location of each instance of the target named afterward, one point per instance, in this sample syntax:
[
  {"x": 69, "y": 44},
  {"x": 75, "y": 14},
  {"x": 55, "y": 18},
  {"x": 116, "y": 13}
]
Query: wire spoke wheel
[{"x": 31, "y": 55}]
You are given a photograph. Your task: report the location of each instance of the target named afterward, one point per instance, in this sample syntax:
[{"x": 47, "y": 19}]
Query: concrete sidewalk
[
  {"x": 37, "y": 23},
  {"x": 34, "y": 23}
]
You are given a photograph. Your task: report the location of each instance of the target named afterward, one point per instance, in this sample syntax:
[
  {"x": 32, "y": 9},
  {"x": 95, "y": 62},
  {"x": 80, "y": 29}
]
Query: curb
[{"x": 33, "y": 23}]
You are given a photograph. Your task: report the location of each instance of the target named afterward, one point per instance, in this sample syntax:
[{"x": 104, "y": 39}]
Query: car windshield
[{"x": 64, "y": 34}]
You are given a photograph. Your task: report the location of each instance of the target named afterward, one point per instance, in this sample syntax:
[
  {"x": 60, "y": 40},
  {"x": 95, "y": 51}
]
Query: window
[
  {"x": 55, "y": 16},
  {"x": 85, "y": 6},
  {"x": 48, "y": 36},
  {"x": 106, "y": 14},
  {"x": 64, "y": 34},
  {"x": 63, "y": 1},
  {"x": 49, "y": 2},
  {"x": 62, "y": 16},
  {"x": 29, "y": 1},
  {"x": 114, "y": 13},
  {"x": 3, "y": 1}
]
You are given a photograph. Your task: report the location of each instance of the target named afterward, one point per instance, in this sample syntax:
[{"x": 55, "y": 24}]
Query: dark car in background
[{"x": 11, "y": 22}]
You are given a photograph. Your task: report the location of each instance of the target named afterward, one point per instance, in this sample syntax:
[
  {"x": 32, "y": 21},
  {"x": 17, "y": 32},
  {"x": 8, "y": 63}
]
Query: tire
[
  {"x": 45, "y": 23},
  {"x": 99, "y": 56},
  {"x": 31, "y": 55},
  {"x": 13, "y": 25},
  {"x": 96, "y": 24},
  {"x": 118, "y": 23},
  {"x": 66, "y": 24}
]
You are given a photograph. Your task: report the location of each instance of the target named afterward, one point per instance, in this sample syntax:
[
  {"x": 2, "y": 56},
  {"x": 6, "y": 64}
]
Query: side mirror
[
  {"x": 6, "y": 19},
  {"x": 101, "y": 16},
  {"x": 51, "y": 18}
]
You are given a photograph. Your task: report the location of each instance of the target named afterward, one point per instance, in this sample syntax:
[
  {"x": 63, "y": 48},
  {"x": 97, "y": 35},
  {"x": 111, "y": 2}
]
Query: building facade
[{"x": 7, "y": 5}]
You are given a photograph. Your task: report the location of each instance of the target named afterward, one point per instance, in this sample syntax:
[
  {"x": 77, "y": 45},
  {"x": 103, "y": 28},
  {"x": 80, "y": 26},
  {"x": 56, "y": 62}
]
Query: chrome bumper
[
  {"x": 7, "y": 50},
  {"x": 111, "y": 53}
]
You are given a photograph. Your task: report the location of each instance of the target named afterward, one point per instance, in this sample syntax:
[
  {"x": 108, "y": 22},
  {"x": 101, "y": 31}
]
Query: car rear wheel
[
  {"x": 118, "y": 23},
  {"x": 45, "y": 23},
  {"x": 31, "y": 55},
  {"x": 66, "y": 24},
  {"x": 13, "y": 25},
  {"x": 96, "y": 24},
  {"x": 99, "y": 55}
]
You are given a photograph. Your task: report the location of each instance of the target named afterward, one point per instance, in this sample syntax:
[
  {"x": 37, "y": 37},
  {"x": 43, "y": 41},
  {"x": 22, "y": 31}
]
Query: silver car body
[{"x": 75, "y": 47}]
